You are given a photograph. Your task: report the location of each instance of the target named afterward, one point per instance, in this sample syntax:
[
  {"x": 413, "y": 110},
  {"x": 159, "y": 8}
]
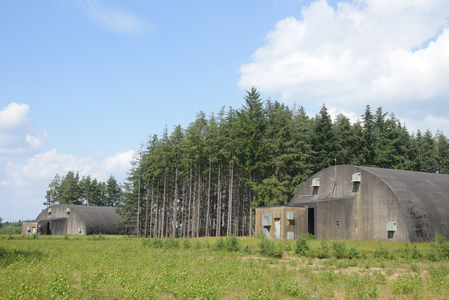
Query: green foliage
[
  {"x": 302, "y": 247},
  {"x": 324, "y": 249},
  {"x": 99, "y": 237},
  {"x": 247, "y": 250},
  {"x": 232, "y": 244},
  {"x": 408, "y": 284},
  {"x": 186, "y": 244},
  {"x": 339, "y": 249},
  {"x": 66, "y": 237},
  {"x": 156, "y": 242},
  {"x": 353, "y": 253},
  {"x": 381, "y": 252},
  {"x": 171, "y": 243},
  {"x": 269, "y": 248},
  {"x": 219, "y": 245}
]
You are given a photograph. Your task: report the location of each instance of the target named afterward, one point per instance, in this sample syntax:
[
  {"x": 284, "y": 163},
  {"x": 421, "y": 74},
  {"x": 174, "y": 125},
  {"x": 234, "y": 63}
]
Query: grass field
[{"x": 116, "y": 267}]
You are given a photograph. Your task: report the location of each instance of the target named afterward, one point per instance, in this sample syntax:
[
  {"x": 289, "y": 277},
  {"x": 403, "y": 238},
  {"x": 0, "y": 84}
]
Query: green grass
[{"x": 116, "y": 267}]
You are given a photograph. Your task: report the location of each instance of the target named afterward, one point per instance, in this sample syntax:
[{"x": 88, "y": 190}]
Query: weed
[
  {"x": 408, "y": 284},
  {"x": 268, "y": 248},
  {"x": 381, "y": 252},
  {"x": 414, "y": 268},
  {"x": 171, "y": 243},
  {"x": 302, "y": 247},
  {"x": 415, "y": 253},
  {"x": 389, "y": 272},
  {"x": 339, "y": 249},
  {"x": 353, "y": 253},
  {"x": 232, "y": 244},
  {"x": 67, "y": 237},
  {"x": 156, "y": 242},
  {"x": 324, "y": 250},
  {"x": 186, "y": 244},
  {"x": 247, "y": 250}
]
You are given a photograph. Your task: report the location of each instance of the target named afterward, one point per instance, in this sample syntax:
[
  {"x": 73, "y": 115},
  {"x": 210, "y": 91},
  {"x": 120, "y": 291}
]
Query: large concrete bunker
[
  {"x": 63, "y": 219},
  {"x": 351, "y": 202}
]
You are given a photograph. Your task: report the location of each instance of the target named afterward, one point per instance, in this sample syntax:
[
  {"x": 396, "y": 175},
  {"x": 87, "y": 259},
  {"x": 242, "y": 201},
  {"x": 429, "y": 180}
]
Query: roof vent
[
  {"x": 391, "y": 226},
  {"x": 315, "y": 182},
  {"x": 356, "y": 177}
]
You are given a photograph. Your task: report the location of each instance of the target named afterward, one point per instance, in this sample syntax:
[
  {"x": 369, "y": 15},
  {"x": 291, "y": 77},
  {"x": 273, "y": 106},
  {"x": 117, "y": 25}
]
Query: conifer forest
[{"x": 207, "y": 179}]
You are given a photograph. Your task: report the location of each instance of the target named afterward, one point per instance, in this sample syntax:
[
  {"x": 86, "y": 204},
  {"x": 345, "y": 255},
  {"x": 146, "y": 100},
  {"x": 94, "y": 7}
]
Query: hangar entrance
[{"x": 311, "y": 220}]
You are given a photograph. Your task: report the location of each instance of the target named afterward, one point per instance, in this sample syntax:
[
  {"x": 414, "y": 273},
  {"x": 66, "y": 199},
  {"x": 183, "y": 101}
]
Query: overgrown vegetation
[{"x": 81, "y": 267}]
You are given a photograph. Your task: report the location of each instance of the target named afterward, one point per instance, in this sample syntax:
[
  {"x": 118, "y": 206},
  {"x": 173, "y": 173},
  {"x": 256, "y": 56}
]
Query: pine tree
[{"x": 323, "y": 141}]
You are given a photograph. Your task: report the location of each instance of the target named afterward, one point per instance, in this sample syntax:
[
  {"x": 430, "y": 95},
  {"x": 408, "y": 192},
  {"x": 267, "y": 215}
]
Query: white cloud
[
  {"x": 43, "y": 167},
  {"x": 368, "y": 50},
  {"x": 112, "y": 18},
  {"x": 17, "y": 136}
]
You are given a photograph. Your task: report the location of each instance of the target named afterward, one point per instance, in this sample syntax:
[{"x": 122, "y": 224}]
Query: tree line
[
  {"x": 70, "y": 189},
  {"x": 206, "y": 179}
]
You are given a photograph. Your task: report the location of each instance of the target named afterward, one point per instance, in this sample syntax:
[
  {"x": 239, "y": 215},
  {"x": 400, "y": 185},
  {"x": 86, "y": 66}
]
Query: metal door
[
  {"x": 34, "y": 230},
  {"x": 277, "y": 228}
]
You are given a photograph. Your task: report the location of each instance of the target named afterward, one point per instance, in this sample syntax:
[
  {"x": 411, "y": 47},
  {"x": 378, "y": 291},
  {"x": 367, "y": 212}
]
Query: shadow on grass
[{"x": 10, "y": 256}]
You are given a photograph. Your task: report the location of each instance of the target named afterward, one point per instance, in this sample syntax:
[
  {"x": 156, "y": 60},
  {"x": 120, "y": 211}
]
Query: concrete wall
[
  {"x": 87, "y": 219},
  {"x": 347, "y": 210},
  {"x": 298, "y": 225}
]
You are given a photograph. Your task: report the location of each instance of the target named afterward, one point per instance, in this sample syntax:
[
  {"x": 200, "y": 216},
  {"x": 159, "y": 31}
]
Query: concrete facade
[
  {"x": 63, "y": 219},
  {"x": 281, "y": 227},
  {"x": 385, "y": 205}
]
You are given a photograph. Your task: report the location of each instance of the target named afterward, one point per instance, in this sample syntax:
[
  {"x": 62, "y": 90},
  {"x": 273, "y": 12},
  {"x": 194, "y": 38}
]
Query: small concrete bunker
[
  {"x": 365, "y": 203},
  {"x": 61, "y": 219}
]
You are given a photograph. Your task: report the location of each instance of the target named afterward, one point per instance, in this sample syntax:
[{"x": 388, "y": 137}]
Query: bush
[
  {"x": 247, "y": 250},
  {"x": 323, "y": 251},
  {"x": 269, "y": 249},
  {"x": 415, "y": 253},
  {"x": 156, "y": 242},
  {"x": 186, "y": 244},
  {"x": 35, "y": 236},
  {"x": 353, "y": 253},
  {"x": 66, "y": 237},
  {"x": 219, "y": 245},
  {"x": 381, "y": 252},
  {"x": 408, "y": 284},
  {"x": 171, "y": 243},
  {"x": 339, "y": 249},
  {"x": 440, "y": 247},
  {"x": 302, "y": 247},
  {"x": 100, "y": 237},
  {"x": 232, "y": 244}
]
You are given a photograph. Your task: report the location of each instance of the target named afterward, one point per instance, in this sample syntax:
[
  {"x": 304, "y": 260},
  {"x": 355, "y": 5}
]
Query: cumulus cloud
[
  {"x": 17, "y": 136},
  {"x": 112, "y": 18},
  {"x": 368, "y": 50},
  {"x": 43, "y": 167}
]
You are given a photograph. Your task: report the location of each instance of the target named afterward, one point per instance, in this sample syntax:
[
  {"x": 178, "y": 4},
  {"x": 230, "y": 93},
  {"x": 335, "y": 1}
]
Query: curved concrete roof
[{"x": 424, "y": 198}]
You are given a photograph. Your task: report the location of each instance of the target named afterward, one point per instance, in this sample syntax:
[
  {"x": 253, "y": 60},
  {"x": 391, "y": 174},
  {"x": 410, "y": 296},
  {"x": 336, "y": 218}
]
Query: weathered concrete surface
[
  {"x": 90, "y": 219},
  {"x": 298, "y": 225},
  {"x": 348, "y": 210}
]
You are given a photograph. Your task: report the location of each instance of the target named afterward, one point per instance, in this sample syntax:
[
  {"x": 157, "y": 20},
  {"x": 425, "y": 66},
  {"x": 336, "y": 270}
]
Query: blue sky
[{"x": 82, "y": 83}]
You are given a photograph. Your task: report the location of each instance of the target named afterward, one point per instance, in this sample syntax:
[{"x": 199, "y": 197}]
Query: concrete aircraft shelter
[
  {"x": 364, "y": 203},
  {"x": 63, "y": 219}
]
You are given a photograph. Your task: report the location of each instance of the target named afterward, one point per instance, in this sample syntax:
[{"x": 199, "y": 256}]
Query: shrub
[
  {"x": 415, "y": 253},
  {"x": 35, "y": 236},
  {"x": 66, "y": 237},
  {"x": 100, "y": 237},
  {"x": 247, "y": 250},
  {"x": 171, "y": 243},
  {"x": 156, "y": 242},
  {"x": 287, "y": 245},
  {"x": 381, "y": 252},
  {"x": 232, "y": 244},
  {"x": 219, "y": 245},
  {"x": 323, "y": 251},
  {"x": 186, "y": 244},
  {"x": 408, "y": 284},
  {"x": 197, "y": 245},
  {"x": 440, "y": 248},
  {"x": 269, "y": 249},
  {"x": 302, "y": 247},
  {"x": 353, "y": 253},
  {"x": 339, "y": 249}
]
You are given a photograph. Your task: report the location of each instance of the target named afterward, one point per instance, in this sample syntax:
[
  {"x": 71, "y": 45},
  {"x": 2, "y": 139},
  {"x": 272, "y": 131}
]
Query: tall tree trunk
[
  {"x": 184, "y": 209},
  {"x": 231, "y": 181},
  {"x": 163, "y": 206},
  {"x": 151, "y": 207},
  {"x": 189, "y": 224},
  {"x": 208, "y": 198},
  {"x": 138, "y": 211},
  {"x": 146, "y": 207},
  {"x": 175, "y": 203},
  {"x": 199, "y": 201},
  {"x": 218, "y": 218}
]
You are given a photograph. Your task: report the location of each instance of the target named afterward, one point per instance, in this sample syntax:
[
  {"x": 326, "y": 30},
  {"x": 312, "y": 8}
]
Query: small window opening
[
  {"x": 315, "y": 190},
  {"x": 337, "y": 223},
  {"x": 68, "y": 213},
  {"x": 391, "y": 234},
  {"x": 355, "y": 187}
]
